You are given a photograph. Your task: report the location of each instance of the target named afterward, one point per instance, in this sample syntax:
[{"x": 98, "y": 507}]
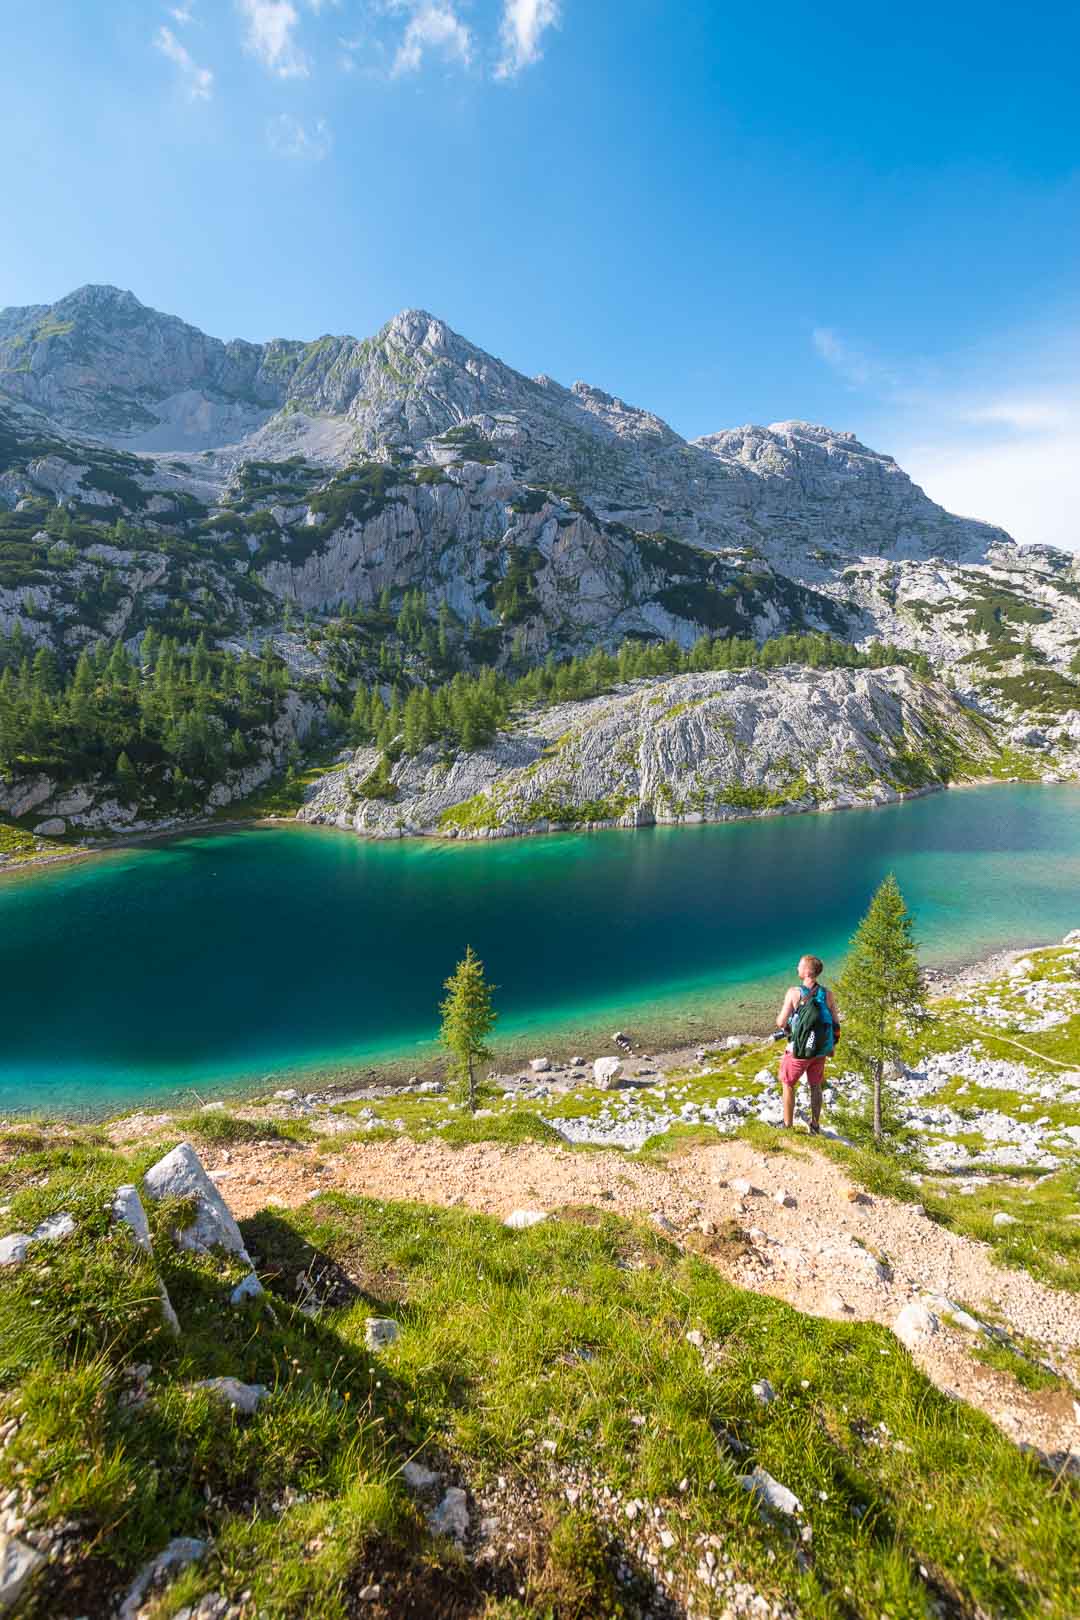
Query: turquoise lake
[{"x": 226, "y": 960}]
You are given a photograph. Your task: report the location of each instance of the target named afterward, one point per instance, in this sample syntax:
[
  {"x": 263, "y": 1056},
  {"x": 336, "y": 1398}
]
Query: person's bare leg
[
  {"x": 789, "y": 1104},
  {"x": 815, "y": 1105}
]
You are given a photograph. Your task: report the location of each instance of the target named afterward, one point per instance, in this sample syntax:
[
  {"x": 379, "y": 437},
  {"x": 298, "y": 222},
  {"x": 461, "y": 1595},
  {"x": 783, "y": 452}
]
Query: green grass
[
  {"x": 1046, "y": 1243},
  {"x": 225, "y": 1130},
  {"x": 565, "y": 1334}
]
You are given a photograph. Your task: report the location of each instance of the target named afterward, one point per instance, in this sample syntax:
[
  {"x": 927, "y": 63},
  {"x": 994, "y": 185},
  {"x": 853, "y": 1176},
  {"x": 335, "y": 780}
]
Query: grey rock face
[{"x": 696, "y": 747}]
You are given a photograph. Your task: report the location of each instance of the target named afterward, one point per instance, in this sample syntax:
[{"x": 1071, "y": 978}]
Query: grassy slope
[{"x": 526, "y": 1355}]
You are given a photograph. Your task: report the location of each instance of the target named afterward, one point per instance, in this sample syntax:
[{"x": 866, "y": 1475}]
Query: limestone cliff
[{"x": 695, "y": 747}]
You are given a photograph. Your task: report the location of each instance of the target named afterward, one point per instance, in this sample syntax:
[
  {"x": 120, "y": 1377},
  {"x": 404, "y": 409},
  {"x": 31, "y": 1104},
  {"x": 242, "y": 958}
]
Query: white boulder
[
  {"x": 1003, "y": 1219},
  {"x": 519, "y": 1220},
  {"x": 915, "y": 1323},
  {"x": 606, "y": 1072},
  {"x": 180, "y": 1174},
  {"x": 540, "y": 1065}
]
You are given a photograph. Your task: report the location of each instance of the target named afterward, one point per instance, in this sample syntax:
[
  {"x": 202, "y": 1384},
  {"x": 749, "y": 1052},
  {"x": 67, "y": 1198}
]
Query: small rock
[
  {"x": 419, "y": 1478},
  {"x": 770, "y": 1491},
  {"x": 18, "y": 1564},
  {"x": 744, "y": 1188},
  {"x": 763, "y": 1392},
  {"x": 606, "y": 1071},
  {"x": 520, "y": 1219},
  {"x": 380, "y": 1332},
  {"x": 245, "y": 1398},
  {"x": 784, "y": 1199},
  {"x": 539, "y": 1065},
  {"x": 370, "y": 1594},
  {"x": 451, "y": 1516},
  {"x": 54, "y": 1229},
  {"x": 696, "y": 1338},
  {"x": 181, "y": 1550},
  {"x": 288, "y": 1095},
  {"x": 13, "y": 1249},
  {"x": 248, "y": 1288},
  {"x": 915, "y": 1323},
  {"x": 1003, "y": 1219},
  {"x": 834, "y": 1302}
]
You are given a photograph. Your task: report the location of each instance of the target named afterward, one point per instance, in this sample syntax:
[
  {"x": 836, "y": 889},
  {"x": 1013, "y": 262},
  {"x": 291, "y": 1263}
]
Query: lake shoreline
[
  {"x": 155, "y": 835},
  {"x": 657, "y": 1042}
]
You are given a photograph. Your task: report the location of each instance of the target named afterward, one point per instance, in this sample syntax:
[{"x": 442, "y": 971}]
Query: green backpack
[{"x": 811, "y": 1025}]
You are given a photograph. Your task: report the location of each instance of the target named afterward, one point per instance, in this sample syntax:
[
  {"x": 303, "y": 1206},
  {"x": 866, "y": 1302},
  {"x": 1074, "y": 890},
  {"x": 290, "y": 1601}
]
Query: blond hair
[{"x": 814, "y": 964}]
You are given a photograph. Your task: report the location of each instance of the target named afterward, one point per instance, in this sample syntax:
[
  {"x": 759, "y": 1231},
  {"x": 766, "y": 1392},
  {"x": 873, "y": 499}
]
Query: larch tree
[
  {"x": 467, "y": 1020},
  {"x": 880, "y": 991}
]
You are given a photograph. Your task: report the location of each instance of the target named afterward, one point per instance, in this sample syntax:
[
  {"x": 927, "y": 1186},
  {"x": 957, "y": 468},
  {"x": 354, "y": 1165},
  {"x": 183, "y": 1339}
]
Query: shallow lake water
[{"x": 228, "y": 959}]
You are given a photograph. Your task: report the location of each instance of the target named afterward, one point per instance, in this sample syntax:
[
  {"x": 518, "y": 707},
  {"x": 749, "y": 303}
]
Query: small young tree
[
  {"x": 880, "y": 989},
  {"x": 467, "y": 1020}
]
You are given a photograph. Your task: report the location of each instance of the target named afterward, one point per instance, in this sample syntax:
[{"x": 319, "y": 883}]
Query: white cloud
[
  {"x": 524, "y": 23},
  {"x": 181, "y": 14},
  {"x": 289, "y": 138},
  {"x": 992, "y": 432},
  {"x": 433, "y": 26},
  {"x": 850, "y": 362},
  {"x": 197, "y": 81},
  {"x": 1013, "y": 461},
  {"x": 270, "y": 29}
]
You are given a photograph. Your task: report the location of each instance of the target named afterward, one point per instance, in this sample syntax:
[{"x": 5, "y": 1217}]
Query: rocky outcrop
[
  {"x": 696, "y": 747},
  {"x": 558, "y": 517}
]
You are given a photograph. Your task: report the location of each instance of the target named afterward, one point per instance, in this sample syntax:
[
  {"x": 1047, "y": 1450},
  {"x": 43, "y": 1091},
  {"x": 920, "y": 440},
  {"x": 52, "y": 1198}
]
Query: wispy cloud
[
  {"x": 524, "y": 24},
  {"x": 270, "y": 36},
  {"x": 197, "y": 81},
  {"x": 182, "y": 15},
  {"x": 992, "y": 432},
  {"x": 433, "y": 25},
  {"x": 287, "y": 137},
  {"x": 852, "y": 363}
]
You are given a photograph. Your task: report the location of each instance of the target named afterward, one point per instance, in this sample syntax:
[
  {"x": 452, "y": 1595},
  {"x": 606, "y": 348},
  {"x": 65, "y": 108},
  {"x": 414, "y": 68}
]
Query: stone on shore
[{"x": 606, "y": 1072}]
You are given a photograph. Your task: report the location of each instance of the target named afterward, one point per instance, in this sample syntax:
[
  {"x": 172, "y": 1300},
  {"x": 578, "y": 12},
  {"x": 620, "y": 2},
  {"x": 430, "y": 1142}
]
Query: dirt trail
[{"x": 824, "y": 1254}]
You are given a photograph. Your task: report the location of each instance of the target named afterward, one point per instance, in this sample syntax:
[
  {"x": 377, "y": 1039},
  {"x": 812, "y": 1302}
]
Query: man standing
[{"x": 812, "y": 1024}]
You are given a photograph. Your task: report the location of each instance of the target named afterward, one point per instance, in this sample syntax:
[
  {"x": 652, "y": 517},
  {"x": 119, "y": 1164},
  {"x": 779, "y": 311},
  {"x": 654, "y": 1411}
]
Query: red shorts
[{"x": 793, "y": 1068}]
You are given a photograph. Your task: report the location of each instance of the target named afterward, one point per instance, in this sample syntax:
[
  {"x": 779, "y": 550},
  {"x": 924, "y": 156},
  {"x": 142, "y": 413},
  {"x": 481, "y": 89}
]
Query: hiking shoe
[{"x": 815, "y": 1130}]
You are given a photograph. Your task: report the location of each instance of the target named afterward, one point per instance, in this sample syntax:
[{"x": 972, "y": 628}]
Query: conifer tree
[
  {"x": 467, "y": 1020},
  {"x": 880, "y": 991}
]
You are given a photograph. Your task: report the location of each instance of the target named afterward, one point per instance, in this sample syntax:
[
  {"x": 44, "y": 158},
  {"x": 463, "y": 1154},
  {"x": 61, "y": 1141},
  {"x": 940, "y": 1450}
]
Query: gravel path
[{"x": 827, "y": 1252}]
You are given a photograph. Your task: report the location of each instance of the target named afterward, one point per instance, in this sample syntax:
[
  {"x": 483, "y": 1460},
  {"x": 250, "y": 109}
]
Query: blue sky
[{"x": 868, "y": 217}]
